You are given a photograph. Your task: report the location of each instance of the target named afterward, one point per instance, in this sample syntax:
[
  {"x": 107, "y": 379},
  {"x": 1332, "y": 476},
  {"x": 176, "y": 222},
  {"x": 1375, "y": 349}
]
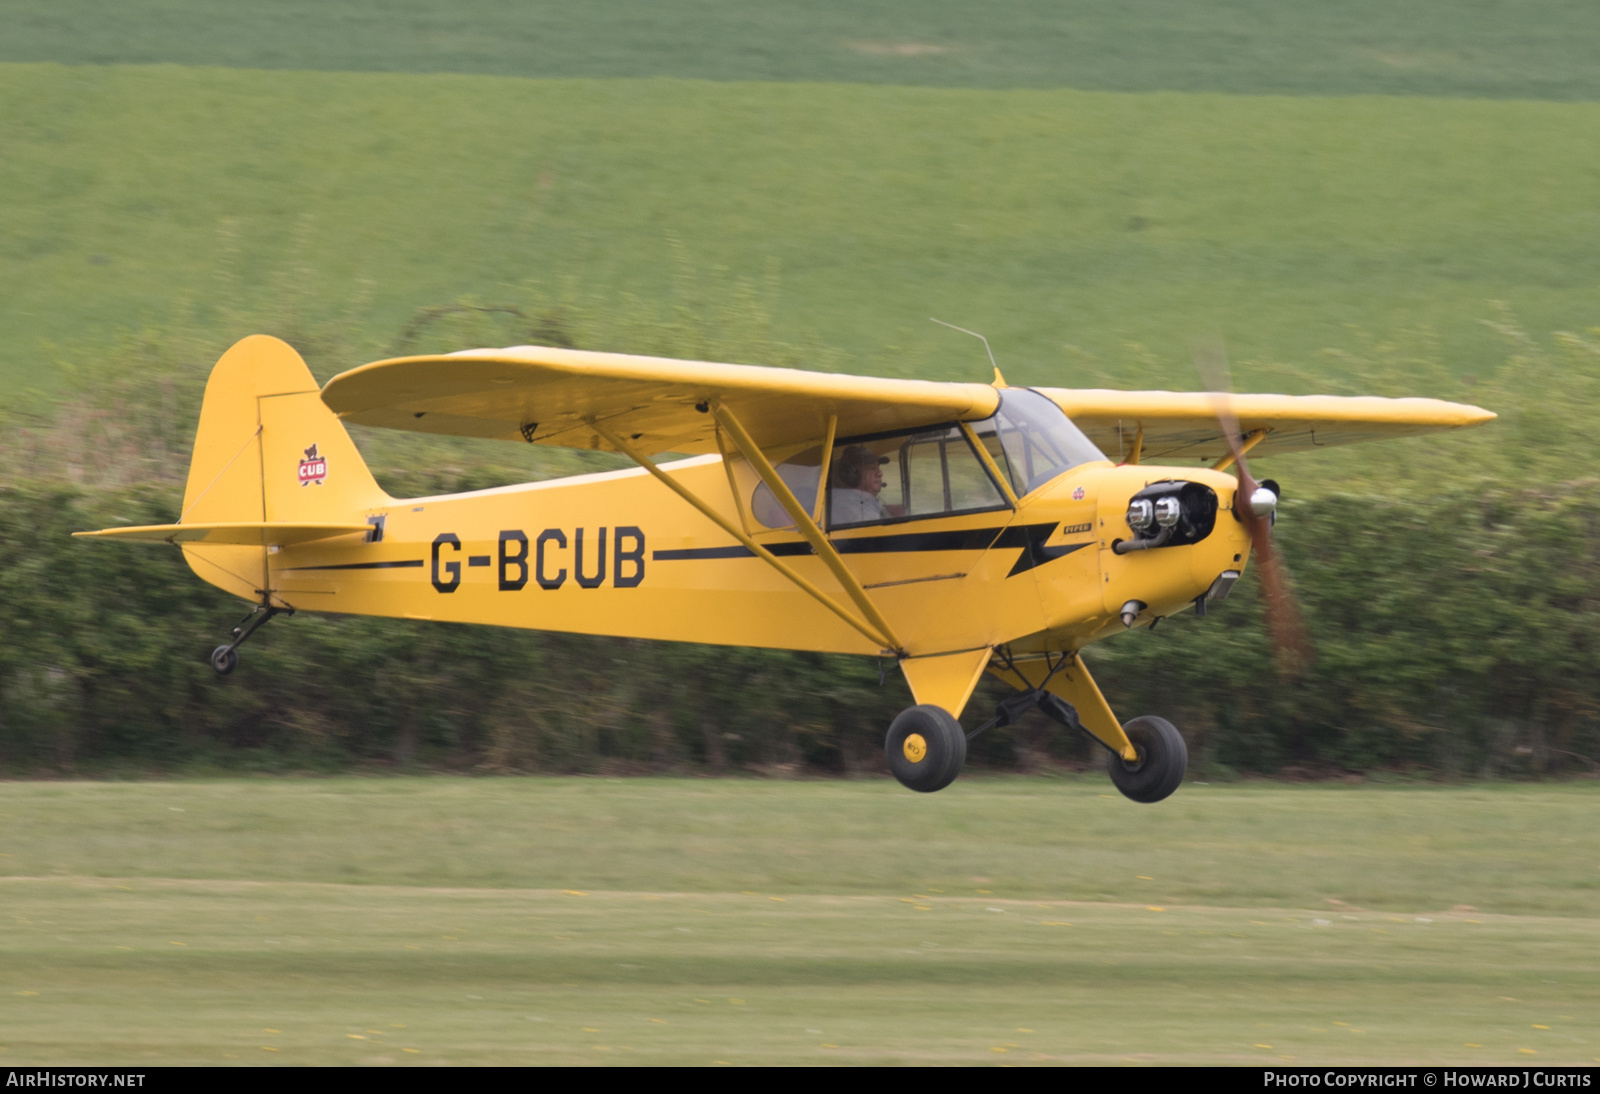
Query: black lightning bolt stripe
[
  {"x": 974, "y": 539},
  {"x": 1030, "y": 537}
]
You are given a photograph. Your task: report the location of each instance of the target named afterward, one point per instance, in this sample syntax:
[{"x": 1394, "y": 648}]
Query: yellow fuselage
[{"x": 619, "y": 554}]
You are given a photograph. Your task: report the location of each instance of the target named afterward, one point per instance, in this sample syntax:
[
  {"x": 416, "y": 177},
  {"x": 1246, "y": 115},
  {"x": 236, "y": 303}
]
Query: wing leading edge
[
  {"x": 546, "y": 395},
  {"x": 1183, "y": 424},
  {"x": 549, "y": 396}
]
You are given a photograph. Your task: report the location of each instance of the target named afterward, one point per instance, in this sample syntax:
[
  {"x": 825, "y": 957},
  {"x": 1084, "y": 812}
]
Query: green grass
[
  {"x": 1092, "y": 236},
  {"x": 1432, "y": 47},
  {"x": 672, "y": 921}
]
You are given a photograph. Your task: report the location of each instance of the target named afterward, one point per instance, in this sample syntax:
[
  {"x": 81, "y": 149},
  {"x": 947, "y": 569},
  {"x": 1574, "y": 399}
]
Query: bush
[{"x": 1456, "y": 634}]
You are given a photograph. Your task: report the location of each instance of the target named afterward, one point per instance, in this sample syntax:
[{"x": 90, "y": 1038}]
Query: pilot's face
[{"x": 872, "y": 478}]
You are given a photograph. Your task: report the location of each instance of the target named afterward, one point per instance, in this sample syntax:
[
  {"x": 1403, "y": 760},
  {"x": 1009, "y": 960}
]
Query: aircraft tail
[{"x": 268, "y": 451}]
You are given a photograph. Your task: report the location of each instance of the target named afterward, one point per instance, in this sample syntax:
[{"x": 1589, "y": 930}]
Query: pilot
[{"x": 857, "y": 479}]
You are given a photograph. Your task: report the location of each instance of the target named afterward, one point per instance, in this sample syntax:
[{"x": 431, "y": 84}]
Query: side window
[
  {"x": 930, "y": 473},
  {"x": 801, "y": 474},
  {"x": 967, "y": 481},
  {"x": 925, "y": 465}
]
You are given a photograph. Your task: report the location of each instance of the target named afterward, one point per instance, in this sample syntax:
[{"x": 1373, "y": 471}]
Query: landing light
[{"x": 1221, "y": 587}]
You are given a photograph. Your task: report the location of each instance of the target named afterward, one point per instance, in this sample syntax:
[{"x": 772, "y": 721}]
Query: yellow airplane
[{"x": 957, "y": 527}]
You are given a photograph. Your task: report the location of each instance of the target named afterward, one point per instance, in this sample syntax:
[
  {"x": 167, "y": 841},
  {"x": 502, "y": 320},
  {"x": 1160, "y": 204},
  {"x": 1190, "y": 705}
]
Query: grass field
[
  {"x": 1091, "y": 235},
  {"x": 1344, "y": 193},
  {"x": 670, "y": 921}
]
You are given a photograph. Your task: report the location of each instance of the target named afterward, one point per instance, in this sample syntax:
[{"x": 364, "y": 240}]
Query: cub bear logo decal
[{"x": 314, "y": 468}]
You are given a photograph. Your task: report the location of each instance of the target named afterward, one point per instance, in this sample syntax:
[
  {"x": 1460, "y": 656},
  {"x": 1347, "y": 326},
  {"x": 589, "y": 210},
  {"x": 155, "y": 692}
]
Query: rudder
[{"x": 268, "y": 449}]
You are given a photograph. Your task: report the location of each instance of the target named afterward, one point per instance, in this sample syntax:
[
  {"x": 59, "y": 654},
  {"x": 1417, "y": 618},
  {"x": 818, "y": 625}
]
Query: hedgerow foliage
[
  {"x": 1453, "y": 617},
  {"x": 1458, "y": 635}
]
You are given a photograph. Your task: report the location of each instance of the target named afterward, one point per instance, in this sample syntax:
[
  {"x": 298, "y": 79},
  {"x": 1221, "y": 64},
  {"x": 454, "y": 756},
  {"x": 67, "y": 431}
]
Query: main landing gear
[
  {"x": 226, "y": 658},
  {"x": 1163, "y": 757},
  {"x": 926, "y": 746}
]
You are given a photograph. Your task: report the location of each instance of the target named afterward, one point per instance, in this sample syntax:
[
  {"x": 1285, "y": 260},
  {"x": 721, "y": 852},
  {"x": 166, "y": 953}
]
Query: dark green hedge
[{"x": 1456, "y": 634}]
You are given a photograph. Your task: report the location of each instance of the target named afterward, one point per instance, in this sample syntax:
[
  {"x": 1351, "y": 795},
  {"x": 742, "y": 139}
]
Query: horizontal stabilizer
[{"x": 257, "y": 534}]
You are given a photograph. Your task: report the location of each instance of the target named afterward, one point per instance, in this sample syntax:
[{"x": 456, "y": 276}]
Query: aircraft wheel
[
  {"x": 224, "y": 659},
  {"x": 926, "y": 747},
  {"x": 1163, "y": 758}
]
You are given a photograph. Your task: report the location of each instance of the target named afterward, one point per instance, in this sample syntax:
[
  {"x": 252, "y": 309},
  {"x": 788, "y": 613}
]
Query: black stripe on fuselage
[
  {"x": 971, "y": 539},
  {"x": 403, "y": 564},
  {"x": 782, "y": 550},
  {"x": 1029, "y": 537}
]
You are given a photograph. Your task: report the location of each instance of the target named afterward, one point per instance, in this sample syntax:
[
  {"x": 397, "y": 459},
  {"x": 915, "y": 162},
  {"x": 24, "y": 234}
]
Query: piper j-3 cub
[{"x": 956, "y": 527}]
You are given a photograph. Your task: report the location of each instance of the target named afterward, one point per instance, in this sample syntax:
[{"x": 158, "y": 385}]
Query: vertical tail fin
[{"x": 268, "y": 449}]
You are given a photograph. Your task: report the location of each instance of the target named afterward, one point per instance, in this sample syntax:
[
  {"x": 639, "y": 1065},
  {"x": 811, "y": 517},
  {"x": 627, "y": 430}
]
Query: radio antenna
[{"x": 999, "y": 380}]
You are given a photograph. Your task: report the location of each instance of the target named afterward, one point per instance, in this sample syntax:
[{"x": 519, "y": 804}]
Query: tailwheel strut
[{"x": 226, "y": 658}]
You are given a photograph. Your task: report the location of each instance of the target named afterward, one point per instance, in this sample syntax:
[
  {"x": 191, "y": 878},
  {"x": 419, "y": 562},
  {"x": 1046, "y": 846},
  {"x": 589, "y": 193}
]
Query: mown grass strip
[
  {"x": 1403, "y": 849},
  {"x": 370, "y": 921}
]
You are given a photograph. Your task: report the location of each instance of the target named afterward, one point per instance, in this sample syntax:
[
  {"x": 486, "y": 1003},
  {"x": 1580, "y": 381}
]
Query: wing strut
[
  {"x": 1251, "y": 439},
  {"x": 804, "y": 524},
  {"x": 884, "y": 639}
]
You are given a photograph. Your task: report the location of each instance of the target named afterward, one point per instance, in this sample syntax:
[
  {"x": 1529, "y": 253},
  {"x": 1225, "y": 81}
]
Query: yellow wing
[
  {"x": 545, "y": 395},
  {"x": 548, "y": 396},
  {"x": 1183, "y": 424}
]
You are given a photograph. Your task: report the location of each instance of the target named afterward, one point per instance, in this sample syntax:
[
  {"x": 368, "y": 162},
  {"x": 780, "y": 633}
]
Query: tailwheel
[
  {"x": 1163, "y": 758},
  {"x": 925, "y": 748},
  {"x": 224, "y": 659}
]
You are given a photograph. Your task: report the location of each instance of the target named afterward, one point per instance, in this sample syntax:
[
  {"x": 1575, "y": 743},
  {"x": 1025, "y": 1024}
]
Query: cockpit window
[
  {"x": 932, "y": 472},
  {"x": 800, "y": 473},
  {"x": 1032, "y": 440}
]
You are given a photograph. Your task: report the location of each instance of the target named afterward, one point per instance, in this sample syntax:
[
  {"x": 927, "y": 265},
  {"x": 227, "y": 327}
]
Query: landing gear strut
[{"x": 226, "y": 658}]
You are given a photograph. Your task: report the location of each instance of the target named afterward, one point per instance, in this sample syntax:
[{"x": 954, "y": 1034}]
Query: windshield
[{"x": 1033, "y": 440}]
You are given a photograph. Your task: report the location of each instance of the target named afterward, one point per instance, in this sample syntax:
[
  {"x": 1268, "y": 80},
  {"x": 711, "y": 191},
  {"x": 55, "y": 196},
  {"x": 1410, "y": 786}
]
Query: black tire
[
  {"x": 934, "y": 762},
  {"x": 224, "y": 659},
  {"x": 1163, "y": 758}
]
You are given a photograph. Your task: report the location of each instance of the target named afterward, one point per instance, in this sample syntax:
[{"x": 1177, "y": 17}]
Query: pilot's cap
[{"x": 849, "y": 464}]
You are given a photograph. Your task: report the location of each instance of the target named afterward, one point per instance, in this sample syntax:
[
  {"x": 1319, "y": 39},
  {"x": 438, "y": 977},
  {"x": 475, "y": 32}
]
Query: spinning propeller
[{"x": 1256, "y": 505}]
